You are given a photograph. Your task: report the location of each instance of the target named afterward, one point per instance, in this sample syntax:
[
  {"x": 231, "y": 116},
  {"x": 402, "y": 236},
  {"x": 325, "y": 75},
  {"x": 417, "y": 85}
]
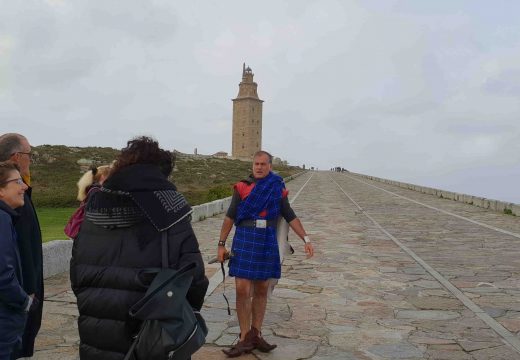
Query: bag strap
[
  {"x": 130, "y": 354},
  {"x": 164, "y": 255},
  {"x": 224, "y": 291},
  {"x": 164, "y": 249},
  {"x": 93, "y": 190}
]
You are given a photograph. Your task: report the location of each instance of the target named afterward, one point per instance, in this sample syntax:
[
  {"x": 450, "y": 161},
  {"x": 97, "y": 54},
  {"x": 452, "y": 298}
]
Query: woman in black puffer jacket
[{"x": 120, "y": 241}]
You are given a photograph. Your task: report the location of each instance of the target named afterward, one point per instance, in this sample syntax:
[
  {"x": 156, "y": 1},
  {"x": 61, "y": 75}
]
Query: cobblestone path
[{"x": 396, "y": 275}]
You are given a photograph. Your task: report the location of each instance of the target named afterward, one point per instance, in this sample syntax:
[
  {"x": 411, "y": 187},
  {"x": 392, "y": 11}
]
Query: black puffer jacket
[{"x": 116, "y": 243}]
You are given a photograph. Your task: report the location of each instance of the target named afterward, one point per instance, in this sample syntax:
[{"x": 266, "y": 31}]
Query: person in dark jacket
[
  {"x": 14, "y": 301},
  {"x": 90, "y": 182},
  {"x": 120, "y": 241},
  {"x": 16, "y": 148},
  {"x": 93, "y": 178}
]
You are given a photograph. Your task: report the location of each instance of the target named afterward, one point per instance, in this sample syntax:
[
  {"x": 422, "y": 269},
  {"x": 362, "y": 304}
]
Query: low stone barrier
[
  {"x": 491, "y": 204},
  {"x": 57, "y": 253},
  {"x": 56, "y": 257}
]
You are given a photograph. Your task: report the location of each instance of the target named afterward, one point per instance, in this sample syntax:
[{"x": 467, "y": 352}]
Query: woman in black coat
[
  {"x": 14, "y": 301},
  {"x": 120, "y": 241}
]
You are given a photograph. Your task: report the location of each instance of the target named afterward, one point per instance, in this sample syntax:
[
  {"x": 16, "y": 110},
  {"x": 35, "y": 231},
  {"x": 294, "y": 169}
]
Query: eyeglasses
[
  {"x": 19, "y": 181},
  {"x": 29, "y": 154},
  {"x": 25, "y": 153}
]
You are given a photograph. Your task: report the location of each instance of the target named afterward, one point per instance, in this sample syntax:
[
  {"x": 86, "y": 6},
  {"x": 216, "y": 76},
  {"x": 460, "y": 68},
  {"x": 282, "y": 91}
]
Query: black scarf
[
  {"x": 9, "y": 210},
  {"x": 150, "y": 190}
]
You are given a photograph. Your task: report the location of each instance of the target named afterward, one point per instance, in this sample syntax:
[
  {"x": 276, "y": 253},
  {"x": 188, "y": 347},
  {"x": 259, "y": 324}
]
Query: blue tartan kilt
[{"x": 254, "y": 254}]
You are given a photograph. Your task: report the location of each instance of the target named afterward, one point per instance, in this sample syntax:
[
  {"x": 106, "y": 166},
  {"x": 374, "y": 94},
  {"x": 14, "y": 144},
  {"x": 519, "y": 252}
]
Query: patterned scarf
[
  {"x": 148, "y": 188},
  {"x": 266, "y": 195}
]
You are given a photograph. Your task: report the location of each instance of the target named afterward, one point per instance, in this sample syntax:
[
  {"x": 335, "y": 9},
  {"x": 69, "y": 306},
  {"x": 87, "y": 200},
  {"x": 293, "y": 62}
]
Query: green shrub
[
  {"x": 508, "y": 212},
  {"x": 219, "y": 192}
]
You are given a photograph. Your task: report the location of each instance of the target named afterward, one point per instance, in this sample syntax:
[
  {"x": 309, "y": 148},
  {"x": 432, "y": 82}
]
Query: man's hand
[
  {"x": 309, "y": 250},
  {"x": 222, "y": 254},
  {"x": 35, "y": 303}
]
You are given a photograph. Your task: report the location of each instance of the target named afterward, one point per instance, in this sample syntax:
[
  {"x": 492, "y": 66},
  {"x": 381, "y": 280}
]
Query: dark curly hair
[
  {"x": 166, "y": 162},
  {"x": 144, "y": 150}
]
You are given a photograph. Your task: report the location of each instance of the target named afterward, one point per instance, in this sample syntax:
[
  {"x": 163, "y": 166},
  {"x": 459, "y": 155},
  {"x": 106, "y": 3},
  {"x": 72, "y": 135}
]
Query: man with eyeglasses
[{"x": 16, "y": 148}]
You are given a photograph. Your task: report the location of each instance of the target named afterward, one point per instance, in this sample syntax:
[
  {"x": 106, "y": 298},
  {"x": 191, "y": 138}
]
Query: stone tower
[{"x": 247, "y": 118}]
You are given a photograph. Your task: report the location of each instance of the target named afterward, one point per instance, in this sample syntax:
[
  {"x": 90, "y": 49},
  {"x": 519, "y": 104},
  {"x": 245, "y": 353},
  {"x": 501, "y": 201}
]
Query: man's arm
[
  {"x": 295, "y": 224},
  {"x": 227, "y": 225},
  {"x": 297, "y": 227}
]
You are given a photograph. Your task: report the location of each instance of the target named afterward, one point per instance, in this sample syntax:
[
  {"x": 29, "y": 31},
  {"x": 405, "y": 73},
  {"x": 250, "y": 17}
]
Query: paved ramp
[{"x": 396, "y": 275}]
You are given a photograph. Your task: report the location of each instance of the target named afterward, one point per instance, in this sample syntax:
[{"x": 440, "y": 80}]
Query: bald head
[{"x": 16, "y": 148}]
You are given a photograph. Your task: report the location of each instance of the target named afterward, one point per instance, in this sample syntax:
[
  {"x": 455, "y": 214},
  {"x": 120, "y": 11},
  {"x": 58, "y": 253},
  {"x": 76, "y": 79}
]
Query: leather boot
[
  {"x": 258, "y": 341},
  {"x": 242, "y": 347}
]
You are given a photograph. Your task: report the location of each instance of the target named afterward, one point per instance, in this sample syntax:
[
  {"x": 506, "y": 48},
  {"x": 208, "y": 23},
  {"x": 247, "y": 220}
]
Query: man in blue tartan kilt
[{"x": 255, "y": 207}]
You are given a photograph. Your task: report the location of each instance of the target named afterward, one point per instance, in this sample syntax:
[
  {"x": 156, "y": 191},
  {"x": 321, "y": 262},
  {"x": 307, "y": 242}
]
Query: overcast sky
[{"x": 426, "y": 92}]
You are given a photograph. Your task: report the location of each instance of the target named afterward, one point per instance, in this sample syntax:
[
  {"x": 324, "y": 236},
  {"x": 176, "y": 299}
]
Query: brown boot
[
  {"x": 255, "y": 337},
  {"x": 242, "y": 347}
]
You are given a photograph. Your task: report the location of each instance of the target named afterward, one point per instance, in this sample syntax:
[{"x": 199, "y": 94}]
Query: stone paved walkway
[{"x": 362, "y": 296}]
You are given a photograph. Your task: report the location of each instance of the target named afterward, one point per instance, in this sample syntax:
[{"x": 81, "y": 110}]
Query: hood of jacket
[{"x": 134, "y": 192}]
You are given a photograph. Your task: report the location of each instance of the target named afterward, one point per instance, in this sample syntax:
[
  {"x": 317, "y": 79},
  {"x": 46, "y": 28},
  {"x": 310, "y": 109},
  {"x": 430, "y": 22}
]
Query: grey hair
[
  {"x": 262, "y": 152},
  {"x": 10, "y": 143}
]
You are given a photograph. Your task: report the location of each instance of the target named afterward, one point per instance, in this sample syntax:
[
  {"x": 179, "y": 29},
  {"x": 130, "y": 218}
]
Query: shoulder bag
[{"x": 171, "y": 328}]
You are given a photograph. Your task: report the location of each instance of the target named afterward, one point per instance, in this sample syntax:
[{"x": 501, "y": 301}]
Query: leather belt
[{"x": 260, "y": 223}]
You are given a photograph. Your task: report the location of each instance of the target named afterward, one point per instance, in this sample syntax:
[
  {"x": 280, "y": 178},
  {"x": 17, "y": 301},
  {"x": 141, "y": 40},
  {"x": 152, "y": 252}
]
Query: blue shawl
[{"x": 266, "y": 195}]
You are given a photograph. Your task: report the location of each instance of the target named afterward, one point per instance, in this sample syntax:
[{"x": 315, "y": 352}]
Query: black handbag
[{"x": 171, "y": 328}]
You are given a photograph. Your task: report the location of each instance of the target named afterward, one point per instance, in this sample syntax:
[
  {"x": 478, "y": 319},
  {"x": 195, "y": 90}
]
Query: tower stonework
[{"x": 247, "y": 118}]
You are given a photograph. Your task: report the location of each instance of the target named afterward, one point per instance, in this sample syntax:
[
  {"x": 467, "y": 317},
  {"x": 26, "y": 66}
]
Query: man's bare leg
[
  {"x": 259, "y": 302},
  {"x": 243, "y": 290},
  {"x": 243, "y": 302},
  {"x": 258, "y": 312}
]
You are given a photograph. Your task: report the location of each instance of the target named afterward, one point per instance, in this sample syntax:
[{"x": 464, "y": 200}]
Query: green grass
[{"x": 52, "y": 222}]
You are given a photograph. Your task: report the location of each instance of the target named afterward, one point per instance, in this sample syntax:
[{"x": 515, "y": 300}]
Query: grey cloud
[
  {"x": 399, "y": 91},
  {"x": 149, "y": 22},
  {"x": 507, "y": 83},
  {"x": 476, "y": 129}
]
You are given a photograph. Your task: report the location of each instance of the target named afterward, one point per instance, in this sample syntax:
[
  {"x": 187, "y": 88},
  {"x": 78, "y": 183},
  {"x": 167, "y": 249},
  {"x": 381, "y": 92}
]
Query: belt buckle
[{"x": 261, "y": 223}]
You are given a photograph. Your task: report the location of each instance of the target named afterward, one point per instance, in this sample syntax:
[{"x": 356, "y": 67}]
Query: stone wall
[{"x": 491, "y": 204}]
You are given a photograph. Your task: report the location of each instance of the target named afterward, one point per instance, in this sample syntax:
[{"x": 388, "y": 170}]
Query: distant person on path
[
  {"x": 88, "y": 184},
  {"x": 120, "y": 241},
  {"x": 255, "y": 207},
  {"x": 16, "y": 148},
  {"x": 14, "y": 301}
]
